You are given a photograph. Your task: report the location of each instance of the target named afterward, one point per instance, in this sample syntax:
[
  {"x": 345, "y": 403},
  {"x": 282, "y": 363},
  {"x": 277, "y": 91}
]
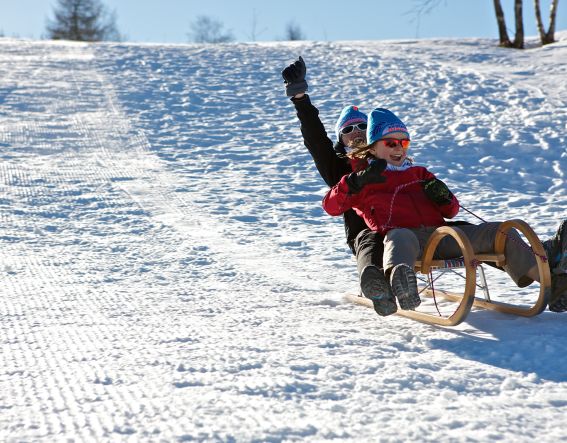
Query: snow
[{"x": 168, "y": 273}]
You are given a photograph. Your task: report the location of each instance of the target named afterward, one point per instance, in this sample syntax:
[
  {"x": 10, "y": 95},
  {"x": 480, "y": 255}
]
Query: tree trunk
[
  {"x": 503, "y": 34},
  {"x": 519, "y": 37},
  {"x": 549, "y": 36}
]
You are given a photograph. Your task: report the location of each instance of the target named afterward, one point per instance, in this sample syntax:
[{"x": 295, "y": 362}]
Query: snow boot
[
  {"x": 556, "y": 250},
  {"x": 558, "y": 298},
  {"x": 374, "y": 286},
  {"x": 404, "y": 286}
]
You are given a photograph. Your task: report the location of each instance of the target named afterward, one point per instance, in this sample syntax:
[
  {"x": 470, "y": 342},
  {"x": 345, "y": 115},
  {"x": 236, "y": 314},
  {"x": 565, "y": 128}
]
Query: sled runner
[{"x": 469, "y": 263}]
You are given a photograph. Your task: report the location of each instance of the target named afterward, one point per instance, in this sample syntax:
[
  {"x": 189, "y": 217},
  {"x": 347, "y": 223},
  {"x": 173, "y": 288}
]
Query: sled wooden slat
[
  {"x": 499, "y": 259},
  {"x": 414, "y": 315},
  {"x": 467, "y": 299},
  {"x": 478, "y": 302}
]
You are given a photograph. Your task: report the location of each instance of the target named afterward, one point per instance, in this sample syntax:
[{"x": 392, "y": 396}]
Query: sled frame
[
  {"x": 452, "y": 269},
  {"x": 471, "y": 262}
]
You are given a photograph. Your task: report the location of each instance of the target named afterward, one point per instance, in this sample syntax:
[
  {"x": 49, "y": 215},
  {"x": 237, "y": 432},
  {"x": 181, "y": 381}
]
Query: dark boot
[
  {"x": 558, "y": 299},
  {"x": 374, "y": 286},
  {"x": 404, "y": 287},
  {"x": 556, "y": 250}
]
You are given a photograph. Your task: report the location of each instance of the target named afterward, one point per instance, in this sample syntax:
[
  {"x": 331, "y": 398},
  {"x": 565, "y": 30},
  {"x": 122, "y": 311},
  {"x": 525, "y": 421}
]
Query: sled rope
[
  {"x": 433, "y": 292},
  {"x": 398, "y": 188},
  {"x": 522, "y": 244}
]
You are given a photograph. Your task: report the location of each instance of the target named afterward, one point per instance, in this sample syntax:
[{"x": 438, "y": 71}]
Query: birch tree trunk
[
  {"x": 549, "y": 36},
  {"x": 502, "y": 32},
  {"x": 519, "y": 37}
]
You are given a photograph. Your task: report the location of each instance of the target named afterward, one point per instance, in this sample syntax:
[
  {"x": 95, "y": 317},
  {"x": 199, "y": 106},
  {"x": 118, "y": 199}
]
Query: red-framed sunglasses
[{"x": 395, "y": 142}]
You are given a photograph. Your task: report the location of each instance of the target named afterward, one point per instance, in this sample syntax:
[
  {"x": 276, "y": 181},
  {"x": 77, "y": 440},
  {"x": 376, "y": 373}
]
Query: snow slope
[{"x": 168, "y": 273}]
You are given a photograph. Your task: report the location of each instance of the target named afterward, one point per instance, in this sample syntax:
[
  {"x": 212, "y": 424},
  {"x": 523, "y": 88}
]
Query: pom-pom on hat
[
  {"x": 381, "y": 123},
  {"x": 350, "y": 115}
]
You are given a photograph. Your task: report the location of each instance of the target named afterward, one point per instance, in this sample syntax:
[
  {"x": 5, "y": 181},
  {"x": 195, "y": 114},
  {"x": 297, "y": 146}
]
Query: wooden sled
[{"x": 470, "y": 262}]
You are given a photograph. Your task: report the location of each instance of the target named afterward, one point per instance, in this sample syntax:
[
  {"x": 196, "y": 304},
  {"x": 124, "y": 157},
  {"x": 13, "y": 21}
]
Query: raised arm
[{"x": 330, "y": 166}]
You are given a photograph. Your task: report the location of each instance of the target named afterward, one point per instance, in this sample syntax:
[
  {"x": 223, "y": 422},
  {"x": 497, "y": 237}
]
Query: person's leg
[
  {"x": 558, "y": 297},
  {"x": 400, "y": 246},
  {"x": 401, "y": 250},
  {"x": 556, "y": 249},
  {"x": 369, "y": 250},
  {"x": 520, "y": 264}
]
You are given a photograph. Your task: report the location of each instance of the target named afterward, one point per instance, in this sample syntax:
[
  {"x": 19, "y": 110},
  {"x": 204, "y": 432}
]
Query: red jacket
[{"x": 399, "y": 202}]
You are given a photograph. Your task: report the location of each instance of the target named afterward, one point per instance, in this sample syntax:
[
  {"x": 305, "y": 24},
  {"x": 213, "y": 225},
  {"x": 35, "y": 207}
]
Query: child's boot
[
  {"x": 404, "y": 287},
  {"x": 556, "y": 250},
  {"x": 374, "y": 286}
]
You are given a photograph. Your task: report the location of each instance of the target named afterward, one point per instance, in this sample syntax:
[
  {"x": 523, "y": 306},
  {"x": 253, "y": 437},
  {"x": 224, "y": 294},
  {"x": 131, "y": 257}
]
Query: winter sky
[{"x": 169, "y": 21}]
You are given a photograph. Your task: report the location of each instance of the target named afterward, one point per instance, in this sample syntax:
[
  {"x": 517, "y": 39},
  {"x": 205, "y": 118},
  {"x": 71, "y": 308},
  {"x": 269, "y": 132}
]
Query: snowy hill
[{"x": 168, "y": 273}]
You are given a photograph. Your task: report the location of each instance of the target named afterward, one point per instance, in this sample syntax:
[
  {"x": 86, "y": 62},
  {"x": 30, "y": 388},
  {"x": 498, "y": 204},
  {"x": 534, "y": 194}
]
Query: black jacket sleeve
[{"x": 331, "y": 167}]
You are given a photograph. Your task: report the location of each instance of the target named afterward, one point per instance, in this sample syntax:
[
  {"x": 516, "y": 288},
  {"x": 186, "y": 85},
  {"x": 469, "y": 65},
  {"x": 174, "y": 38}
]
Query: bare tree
[
  {"x": 82, "y": 20},
  {"x": 206, "y": 29},
  {"x": 518, "y": 13},
  {"x": 548, "y": 36},
  {"x": 293, "y": 32},
  {"x": 255, "y": 33},
  {"x": 502, "y": 31},
  {"x": 422, "y": 7},
  {"x": 503, "y": 34},
  {"x": 419, "y": 9}
]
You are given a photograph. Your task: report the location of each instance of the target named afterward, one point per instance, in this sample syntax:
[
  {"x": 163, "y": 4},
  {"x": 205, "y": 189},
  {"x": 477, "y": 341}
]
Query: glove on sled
[
  {"x": 372, "y": 174},
  {"x": 294, "y": 78},
  {"x": 437, "y": 191}
]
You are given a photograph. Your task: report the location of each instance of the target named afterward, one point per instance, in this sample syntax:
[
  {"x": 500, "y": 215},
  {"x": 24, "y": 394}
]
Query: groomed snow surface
[{"x": 168, "y": 273}]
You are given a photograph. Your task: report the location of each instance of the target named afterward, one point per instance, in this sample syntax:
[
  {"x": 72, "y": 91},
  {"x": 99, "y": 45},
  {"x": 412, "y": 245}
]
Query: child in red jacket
[{"x": 406, "y": 203}]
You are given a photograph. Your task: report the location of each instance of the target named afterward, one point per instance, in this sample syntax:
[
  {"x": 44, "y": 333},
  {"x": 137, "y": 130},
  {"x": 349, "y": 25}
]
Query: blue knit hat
[
  {"x": 349, "y": 116},
  {"x": 381, "y": 123}
]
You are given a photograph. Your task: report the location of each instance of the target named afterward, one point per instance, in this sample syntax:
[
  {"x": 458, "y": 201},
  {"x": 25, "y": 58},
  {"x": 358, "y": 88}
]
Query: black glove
[
  {"x": 372, "y": 174},
  {"x": 339, "y": 148},
  {"x": 294, "y": 78},
  {"x": 437, "y": 191}
]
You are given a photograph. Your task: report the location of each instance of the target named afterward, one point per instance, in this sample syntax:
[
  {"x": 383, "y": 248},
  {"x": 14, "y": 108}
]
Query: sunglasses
[
  {"x": 348, "y": 129},
  {"x": 394, "y": 142}
]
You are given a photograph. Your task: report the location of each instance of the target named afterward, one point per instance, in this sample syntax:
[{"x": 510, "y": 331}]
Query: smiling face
[
  {"x": 354, "y": 138},
  {"x": 353, "y": 133},
  {"x": 389, "y": 149}
]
